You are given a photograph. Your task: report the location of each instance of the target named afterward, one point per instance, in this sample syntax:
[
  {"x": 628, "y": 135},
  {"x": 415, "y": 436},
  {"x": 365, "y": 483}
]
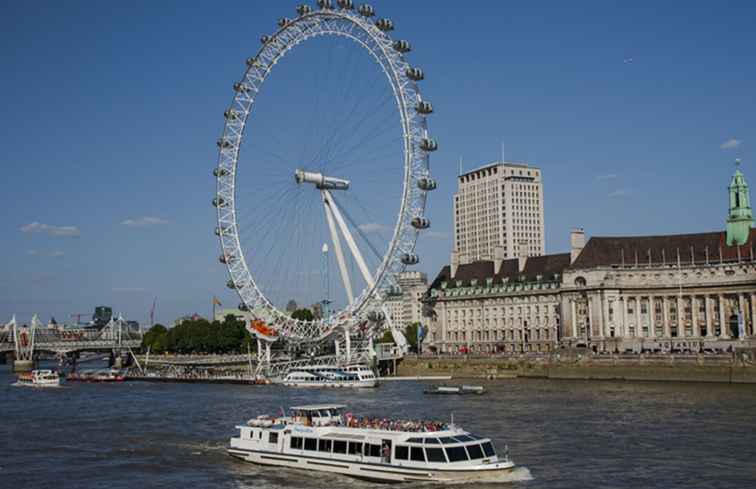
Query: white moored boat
[
  {"x": 322, "y": 438},
  {"x": 331, "y": 376},
  {"x": 39, "y": 378}
]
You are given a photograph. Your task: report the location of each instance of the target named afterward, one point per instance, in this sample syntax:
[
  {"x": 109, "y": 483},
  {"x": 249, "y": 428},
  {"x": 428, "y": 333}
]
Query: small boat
[
  {"x": 39, "y": 378},
  {"x": 455, "y": 389},
  {"x": 324, "y": 438},
  {"x": 331, "y": 376}
]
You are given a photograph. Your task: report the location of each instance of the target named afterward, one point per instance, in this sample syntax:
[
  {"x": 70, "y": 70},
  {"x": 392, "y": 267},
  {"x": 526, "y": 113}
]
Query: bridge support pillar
[{"x": 23, "y": 365}]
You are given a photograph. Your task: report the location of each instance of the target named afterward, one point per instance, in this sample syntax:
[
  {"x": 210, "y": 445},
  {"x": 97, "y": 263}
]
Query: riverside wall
[{"x": 670, "y": 369}]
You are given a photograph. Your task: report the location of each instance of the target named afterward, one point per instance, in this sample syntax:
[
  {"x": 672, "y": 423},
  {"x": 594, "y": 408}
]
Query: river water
[{"x": 581, "y": 434}]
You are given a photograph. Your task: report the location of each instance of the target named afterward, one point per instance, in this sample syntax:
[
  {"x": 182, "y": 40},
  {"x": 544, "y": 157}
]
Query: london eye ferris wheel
[{"x": 323, "y": 165}]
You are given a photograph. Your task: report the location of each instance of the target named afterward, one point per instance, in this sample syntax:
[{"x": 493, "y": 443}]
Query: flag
[{"x": 216, "y": 302}]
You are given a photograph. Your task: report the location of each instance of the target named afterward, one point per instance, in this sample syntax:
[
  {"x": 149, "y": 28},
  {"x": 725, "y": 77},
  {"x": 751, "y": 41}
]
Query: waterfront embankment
[{"x": 669, "y": 368}]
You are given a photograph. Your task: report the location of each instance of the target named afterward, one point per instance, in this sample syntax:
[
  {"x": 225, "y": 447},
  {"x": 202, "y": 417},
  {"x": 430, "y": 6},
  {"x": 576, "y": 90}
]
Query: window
[
  {"x": 401, "y": 452},
  {"x": 417, "y": 454},
  {"x": 311, "y": 444},
  {"x": 339, "y": 446},
  {"x": 456, "y": 454},
  {"x": 324, "y": 445},
  {"x": 372, "y": 450},
  {"x": 464, "y": 438},
  {"x": 489, "y": 449},
  {"x": 355, "y": 448},
  {"x": 435, "y": 454},
  {"x": 475, "y": 452},
  {"x": 273, "y": 438},
  {"x": 295, "y": 443},
  {"x": 414, "y": 440}
]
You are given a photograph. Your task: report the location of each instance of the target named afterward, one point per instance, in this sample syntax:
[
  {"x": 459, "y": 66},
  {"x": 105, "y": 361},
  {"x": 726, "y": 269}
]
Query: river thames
[{"x": 568, "y": 434}]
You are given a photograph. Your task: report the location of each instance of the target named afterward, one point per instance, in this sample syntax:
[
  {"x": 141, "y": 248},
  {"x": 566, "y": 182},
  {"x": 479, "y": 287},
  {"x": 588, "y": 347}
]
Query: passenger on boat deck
[{"x": 394, "y": 425}]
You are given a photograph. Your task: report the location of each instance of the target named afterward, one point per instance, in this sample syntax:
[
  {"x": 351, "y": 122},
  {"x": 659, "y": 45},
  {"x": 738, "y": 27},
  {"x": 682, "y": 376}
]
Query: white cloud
[
  {"x": 37, "y": 227},
  {"x": 144, "y": 221},
  {"x": 433, "y": 235},
  {"x": 373, "y": 227},
  {"x": 731, "y": 143},
  {"x": 56, "y": 253},
  {"x": 128, "y": 290},
  {"x": 610, "y": 176},
  {"x": 618, "y": 193}
]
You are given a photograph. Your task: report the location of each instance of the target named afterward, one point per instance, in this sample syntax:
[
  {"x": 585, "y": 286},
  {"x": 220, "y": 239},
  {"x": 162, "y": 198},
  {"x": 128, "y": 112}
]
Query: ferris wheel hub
[{"x": 320, "y": 181}]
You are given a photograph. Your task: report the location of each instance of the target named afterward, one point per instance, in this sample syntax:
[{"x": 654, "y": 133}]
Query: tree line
[{"x": 199, "y": 336}]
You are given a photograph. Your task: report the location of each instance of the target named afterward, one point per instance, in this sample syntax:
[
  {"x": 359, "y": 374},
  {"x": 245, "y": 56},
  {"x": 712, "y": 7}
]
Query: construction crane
[{"x": 78, "y": 317}]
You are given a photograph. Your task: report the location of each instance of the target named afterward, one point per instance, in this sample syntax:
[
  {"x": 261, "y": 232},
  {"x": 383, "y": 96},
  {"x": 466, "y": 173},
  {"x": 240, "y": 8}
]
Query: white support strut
[
  {"x": 337, "y": 247},
  {"x": 349, "y": 239}
]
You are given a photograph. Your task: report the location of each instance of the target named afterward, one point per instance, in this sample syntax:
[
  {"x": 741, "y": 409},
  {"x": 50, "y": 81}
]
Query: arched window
[{"x": 580, "y": 282}]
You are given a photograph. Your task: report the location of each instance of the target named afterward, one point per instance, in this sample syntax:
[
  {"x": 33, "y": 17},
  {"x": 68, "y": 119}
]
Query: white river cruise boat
[
  {"x": 39, "y": 378},
  {"x": 322, "y": 438},
  {"x": 331, "y": 376}
]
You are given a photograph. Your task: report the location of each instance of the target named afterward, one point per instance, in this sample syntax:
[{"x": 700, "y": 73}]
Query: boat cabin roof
[{"x": 318, "y": 407}]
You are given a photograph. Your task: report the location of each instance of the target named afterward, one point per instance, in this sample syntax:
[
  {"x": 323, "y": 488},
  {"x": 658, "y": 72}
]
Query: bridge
[{"x": 26, "y": 342}]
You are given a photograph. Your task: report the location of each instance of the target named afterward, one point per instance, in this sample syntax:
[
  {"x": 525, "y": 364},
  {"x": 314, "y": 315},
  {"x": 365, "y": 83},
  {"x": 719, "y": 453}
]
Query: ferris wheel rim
[{"x": 325, "y": 22}]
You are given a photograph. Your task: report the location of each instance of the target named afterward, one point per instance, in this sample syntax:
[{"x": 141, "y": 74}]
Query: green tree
[
  {"x": 303, "y": 314},
  {"x": 154, "y": 338},
  {"x": 410, "y": 332}
]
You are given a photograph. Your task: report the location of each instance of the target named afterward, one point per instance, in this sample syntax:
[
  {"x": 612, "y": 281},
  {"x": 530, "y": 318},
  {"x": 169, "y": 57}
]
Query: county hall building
[{"x": 667, "y": 293}]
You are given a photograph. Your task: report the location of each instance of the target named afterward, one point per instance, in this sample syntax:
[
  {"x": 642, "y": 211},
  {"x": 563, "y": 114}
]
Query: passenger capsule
[
  {"x": 230, "y": 284},
  {"x": 224, "y": 143},
  {"x": 284, "y": 21},
  {"x": 345, "y": 4},
  {"x": 410, "y": 259},
  {"x": 219, "y": 172},
  {"x": 426, "y": 183},
  {"x": 241, "y": 88},
  {"x": 421, "y": 223},
  {"x": 428, "y": 144},
  {"x": 402, "y": 46},
  {"x": 366, "y": 10},
  {"x": 385, "y": 25},
  {"x": 231, "y": 115},
  {"x": 376, "y": 316},
  {"x": 252, "y": 61},
  {"x": 324, "y": 4},
  {"x": 264, "y": 39},
  {"x": 243, "y": 307},
  {"x": 304, "y": 9},
  {"x": 415, "y": 74},
  {"x": 219, "y": 202},
  {"x": 423, "y": 107},
  {"x": 217, "y": 231},
  {"x": 226, "y": 259}
]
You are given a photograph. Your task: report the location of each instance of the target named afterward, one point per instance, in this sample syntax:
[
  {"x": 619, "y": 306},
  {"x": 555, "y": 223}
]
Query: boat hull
[{"x": 371, "y": 471}]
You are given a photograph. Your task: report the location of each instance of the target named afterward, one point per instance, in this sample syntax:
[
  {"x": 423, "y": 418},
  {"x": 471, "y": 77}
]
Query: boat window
[
  {"x": 311, "y": 444},
  {"x": 474, "y": 437},
  {"x": 355, "y": 448},
  {"x": 272, "y": 437},
  {"x": 401, "y": 452},
  {"x": 435, "y": 454},
  {"x": 296, "y": 443},
  {"x": 464, "y": 438},
  {"x": 456, "y": 454},
  {"x": 315, "y": 414},
  {"x": 339, "y": 446},
  {"x": 414, "y": 440},
  {"x": 417, "y": 454},
  {"x": 432, "y": 441},
  {"x": 489, "y": 449},
  {"x": 447, "y": 440},
  {"x": 475, "y": 451},
  {"x": 372, "y": 450},
  {"x": 324, "y": 445}
]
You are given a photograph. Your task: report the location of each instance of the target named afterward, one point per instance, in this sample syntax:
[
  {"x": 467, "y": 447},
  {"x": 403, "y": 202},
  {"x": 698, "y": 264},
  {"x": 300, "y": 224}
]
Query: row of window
[
  {"x": 444, "y": 454},
  {"x": 335, "y": 446}
]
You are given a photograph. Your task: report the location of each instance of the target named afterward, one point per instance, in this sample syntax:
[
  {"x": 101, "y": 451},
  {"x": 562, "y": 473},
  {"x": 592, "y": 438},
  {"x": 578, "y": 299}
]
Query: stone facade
[{"x": 405, "y": 306}]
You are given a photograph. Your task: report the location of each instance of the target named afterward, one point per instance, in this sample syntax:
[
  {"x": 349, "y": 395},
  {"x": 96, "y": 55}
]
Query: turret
[{"x": 740, "y": 215}]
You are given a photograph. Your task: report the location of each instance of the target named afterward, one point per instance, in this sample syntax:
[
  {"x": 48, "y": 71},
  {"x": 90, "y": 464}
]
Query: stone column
[
  {"x": 623, "y": 301},
  {"x": 709, "y": 319},
  {"x": 742, "y": 312},
  {"x": 753, "y": 314},
  {"x": 651, "y": 316},
  {"x": 722, "y": 323},
  {"x": 680, "y": 321},
  {"x": 573, "y": 319},
  {"x": 694, "y": 316},
  {"x": 604, "y": 325},
  {"x": 665, "y": 318},
  {"x": 638, "y": 327},
  {"x": 589, "y": 329}
]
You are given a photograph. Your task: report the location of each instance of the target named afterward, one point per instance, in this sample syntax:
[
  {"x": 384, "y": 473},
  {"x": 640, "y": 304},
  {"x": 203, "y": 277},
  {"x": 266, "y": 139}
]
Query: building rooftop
[
  {"x": 663, "y": 249},
  {"x": 537, "y": 268},
  {"x": 495, "y": 164}
]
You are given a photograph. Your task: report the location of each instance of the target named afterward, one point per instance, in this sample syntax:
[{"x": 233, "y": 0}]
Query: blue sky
[{"x": 634, "y": 112}]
